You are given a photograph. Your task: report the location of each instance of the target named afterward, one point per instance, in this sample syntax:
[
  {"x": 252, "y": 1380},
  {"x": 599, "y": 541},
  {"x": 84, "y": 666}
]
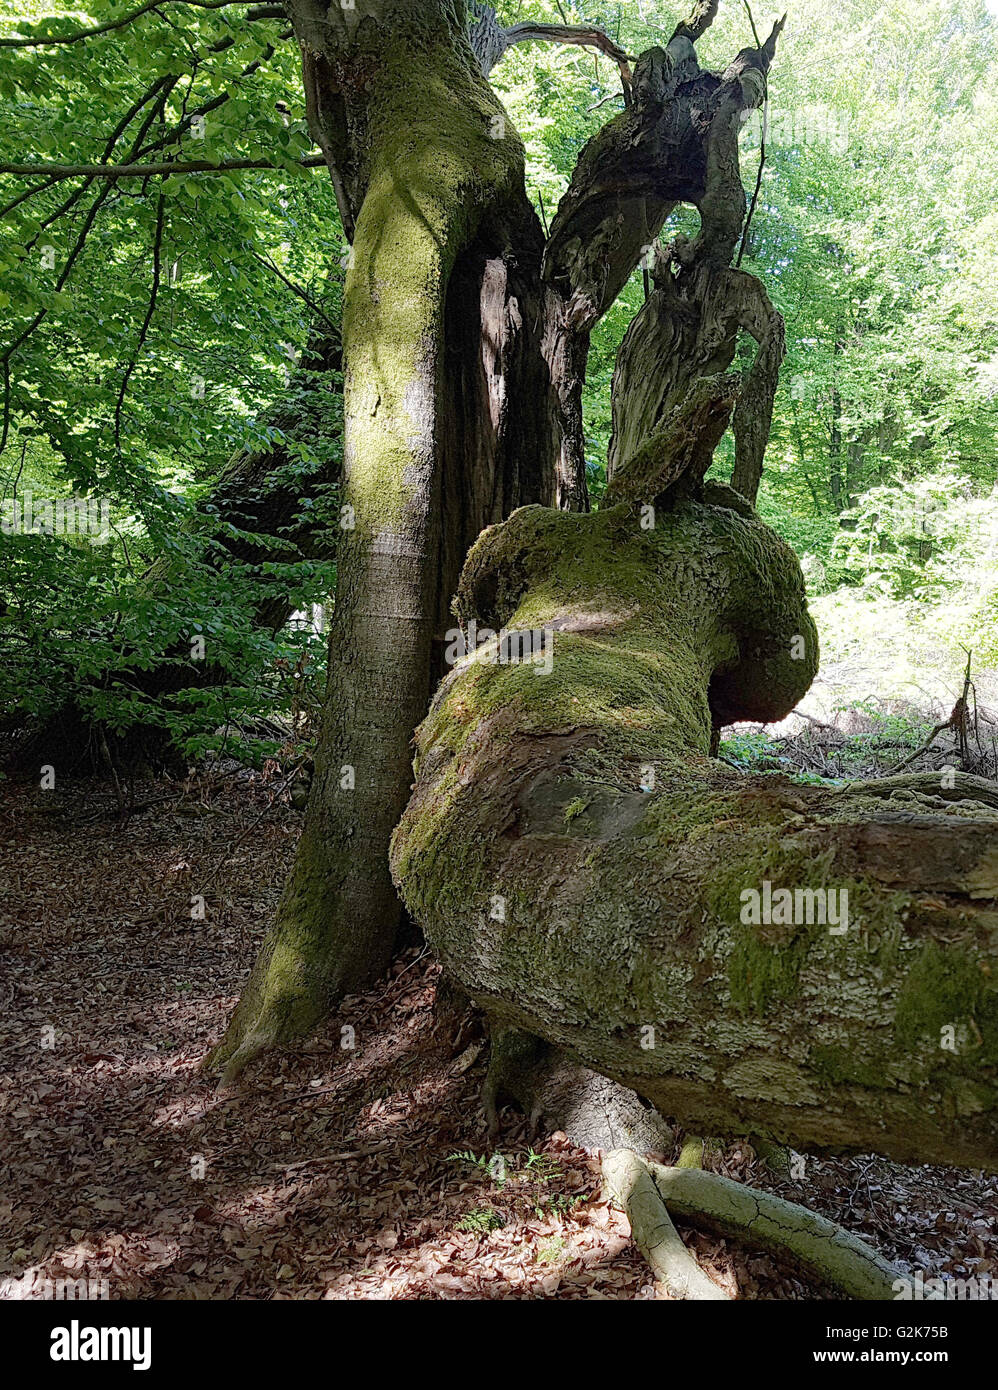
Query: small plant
[
  {"x": 489, "y": 1165},
  {"x": 541, "y": 1168},
  {"x": 481, "y": 1220},
  {"x": 561, "y": 1205},
  {"x": 551, "y": 1250},
  {"x": 755, "y": 752}
]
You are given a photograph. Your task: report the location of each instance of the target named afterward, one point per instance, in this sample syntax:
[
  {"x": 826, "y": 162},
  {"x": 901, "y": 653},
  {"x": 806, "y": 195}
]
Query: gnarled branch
[{"x": 491, "y": 42}]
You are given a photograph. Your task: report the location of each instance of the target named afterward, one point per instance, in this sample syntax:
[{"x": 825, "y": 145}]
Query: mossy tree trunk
[
  {"x": 751, "y": 955},
  {"x": 466, "y": 336},
  {"x": 439, "y": 340}
]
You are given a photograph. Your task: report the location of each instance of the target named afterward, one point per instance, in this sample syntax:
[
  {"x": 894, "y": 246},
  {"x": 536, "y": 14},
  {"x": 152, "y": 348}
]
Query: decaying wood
[{"x": 584, "y": 801}]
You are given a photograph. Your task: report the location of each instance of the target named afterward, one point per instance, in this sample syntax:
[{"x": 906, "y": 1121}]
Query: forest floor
[{"x": 356, "y": 1166}]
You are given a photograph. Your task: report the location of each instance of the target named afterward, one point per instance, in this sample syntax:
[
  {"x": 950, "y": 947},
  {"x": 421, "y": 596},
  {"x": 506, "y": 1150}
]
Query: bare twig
[
  {"x": 157, "y": 249},
  {"x": 153, "y": 170}
]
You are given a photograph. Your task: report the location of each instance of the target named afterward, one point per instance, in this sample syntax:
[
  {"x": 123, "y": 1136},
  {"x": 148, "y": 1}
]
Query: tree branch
[
  {"x": 157, "y": 249},
  {"x": 703, "y": 16},
  {"x": 585, "y": 37},
  {"x": 260, "y": 12},
  {"x": 297, "y": 289},
  {"x": 490, "y": 41},
  {"x": 142, "y": 171}
]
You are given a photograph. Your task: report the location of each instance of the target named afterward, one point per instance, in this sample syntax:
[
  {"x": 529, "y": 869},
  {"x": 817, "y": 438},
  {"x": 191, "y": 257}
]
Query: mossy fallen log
[{"x": 810, "y": 963}]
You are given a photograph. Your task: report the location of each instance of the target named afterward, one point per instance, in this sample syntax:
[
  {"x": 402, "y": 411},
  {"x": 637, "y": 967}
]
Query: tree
[
  {"x": 467, "y": 328},
  {"x": 812, "y": 964},
  {"x": 267, "y": 511},
  {"x": 161, "y": 355},
  {"x": 466, "y": 334}
]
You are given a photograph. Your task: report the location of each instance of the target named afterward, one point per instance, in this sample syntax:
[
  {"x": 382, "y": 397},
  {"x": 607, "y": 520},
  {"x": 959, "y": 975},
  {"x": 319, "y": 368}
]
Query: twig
[
  {"x": 263, "y": 12},
  {"x": 762, "y": 142},
  {"x": 163, "y": 168},
  {"x": 250, "y": 828},
  {"x": 334, "y": 1158}
]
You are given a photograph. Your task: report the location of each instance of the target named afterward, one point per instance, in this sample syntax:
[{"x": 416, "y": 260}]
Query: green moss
[
  {"x": 640, "y": 621},
  {"x": 943, "y": 988},
  {"x": 837, "y": 1066},
  {"x": 435, "y": 165},
  {"x": 760, "y": 976}
]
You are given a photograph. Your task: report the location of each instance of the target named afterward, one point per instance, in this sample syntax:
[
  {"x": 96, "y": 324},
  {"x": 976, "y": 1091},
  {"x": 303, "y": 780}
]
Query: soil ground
[{"x": 356, "y": 1166}]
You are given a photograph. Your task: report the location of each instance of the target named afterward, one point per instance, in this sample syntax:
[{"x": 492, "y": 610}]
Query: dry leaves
[{"x": 329, "y": 1173}]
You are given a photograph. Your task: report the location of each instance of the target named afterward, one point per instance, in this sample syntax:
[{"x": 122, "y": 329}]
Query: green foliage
[
  {"x": 875, "y": 235},
  {"x": 482, "y": 1220},
  {"x": 77, "y": 625},
  {"x": 148, "y": 328},
  {"x": 147, "y": 325}
]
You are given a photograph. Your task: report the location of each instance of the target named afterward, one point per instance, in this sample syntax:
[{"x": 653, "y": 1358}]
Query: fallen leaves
[{"x": 329, "y": 1172}]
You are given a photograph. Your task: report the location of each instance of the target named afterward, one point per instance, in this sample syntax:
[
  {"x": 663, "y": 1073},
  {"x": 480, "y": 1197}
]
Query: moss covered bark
[
  {"x": 580, "y": 864},
  {"x": 436, "y": 173}
]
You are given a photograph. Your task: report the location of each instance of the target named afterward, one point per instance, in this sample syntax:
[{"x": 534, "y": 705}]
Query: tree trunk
[
  {"x": 440, "y": 336},
  {"x": 466, "y": 341}
]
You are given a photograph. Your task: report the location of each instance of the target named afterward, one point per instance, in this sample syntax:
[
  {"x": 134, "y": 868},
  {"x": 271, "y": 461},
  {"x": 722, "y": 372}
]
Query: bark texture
[
  {"x": 466, "y": 338},
  {"x": 437, "y": 331},
  {"x": 580, "y": 864},
  {"x": 649, "y": 1192},
  {"x": 633, "y": 1189}
]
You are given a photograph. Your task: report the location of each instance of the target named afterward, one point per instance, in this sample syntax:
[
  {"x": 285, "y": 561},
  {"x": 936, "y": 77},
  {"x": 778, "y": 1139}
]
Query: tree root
[
  {"x": 632, "y": 1187},
  {"x": 817, "y": 1246},
  {"x": 231, "y": 1065},
  {"x": 556, "y": 1093}
]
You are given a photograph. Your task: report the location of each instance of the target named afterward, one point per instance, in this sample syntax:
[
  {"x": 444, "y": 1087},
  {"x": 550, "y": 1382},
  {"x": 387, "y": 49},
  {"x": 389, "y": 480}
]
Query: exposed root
[
  {"x": 818, "y": 1246},
  {"x": 632, "y": 1187},
  {"x": 557, "y": 1093},
  {"x": 232, "y": 1064}
]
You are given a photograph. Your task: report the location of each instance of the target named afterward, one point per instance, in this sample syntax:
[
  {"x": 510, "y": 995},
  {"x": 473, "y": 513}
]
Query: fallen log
[{"x": 809, "y": 963}]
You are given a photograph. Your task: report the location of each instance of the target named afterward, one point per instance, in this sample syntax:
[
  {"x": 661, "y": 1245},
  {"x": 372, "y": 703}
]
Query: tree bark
[
  {"x": 440, "y": 337},
  {"x": 586, "y": 872},
  {"x": 756, "y": 1219},
  {"x": 466, "y": 341}
]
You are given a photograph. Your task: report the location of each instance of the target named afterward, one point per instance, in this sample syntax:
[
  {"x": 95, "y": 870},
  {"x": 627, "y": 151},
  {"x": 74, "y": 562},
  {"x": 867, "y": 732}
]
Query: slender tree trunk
[{"x": 440, "y": 335}]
